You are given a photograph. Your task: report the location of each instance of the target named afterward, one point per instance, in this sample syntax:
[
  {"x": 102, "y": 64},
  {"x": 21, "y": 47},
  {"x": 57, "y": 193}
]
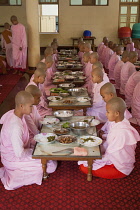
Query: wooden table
[
  {"x": 45, "y": 151},
  {"x": 86, "y": 39},
  {"x": 75, "y": 68},
  {"x": 59, "y": 105}
]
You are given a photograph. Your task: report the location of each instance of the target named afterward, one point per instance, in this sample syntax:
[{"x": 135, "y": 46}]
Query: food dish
[
  {"x": 90, "y": 141},
  {"x": 66, "y": 139},
  {"x": 45, "y": 137},
  {"x": 63, "y": 114},
  {"x": 55, "y": 98},
  {"x": 83, "y": 99},
  {"x": 60, "y": 132},
  {"x": 49, "y": 121}
]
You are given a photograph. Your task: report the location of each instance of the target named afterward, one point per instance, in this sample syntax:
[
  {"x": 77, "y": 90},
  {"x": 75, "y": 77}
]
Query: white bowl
[
  {"x": 55, "y": 98},
  {"x": 90, "y": 143},
  {"x": 43, "y": 137},
  {"x": 83, "y": 99},
  {"x": 49, "y": 122}
]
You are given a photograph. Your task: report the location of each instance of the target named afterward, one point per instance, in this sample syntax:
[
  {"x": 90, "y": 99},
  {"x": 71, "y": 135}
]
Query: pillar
[{"x": 33, "y": 33}]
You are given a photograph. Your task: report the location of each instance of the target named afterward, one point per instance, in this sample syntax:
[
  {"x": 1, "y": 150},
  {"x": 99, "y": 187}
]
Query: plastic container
[
  {"x": 136, "y": 30},
  {"x": 87, "y": 34},
  {"x": 124, "y": 32}
]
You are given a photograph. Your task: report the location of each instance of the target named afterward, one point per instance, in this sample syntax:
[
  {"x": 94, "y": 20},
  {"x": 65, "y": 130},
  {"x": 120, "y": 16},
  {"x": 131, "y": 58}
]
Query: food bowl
[
  {"x": 60, "y": 132},
  {"x": 45, "y": 137},
  {"x": 66, "y": 139},
  {"x": 76, "y": 91},
  {"x": 63, "y": 115},
  {"x": 90, "y": 141},
  {"x": 79, "y": 128},
  {"x": 54, "y": 98},
  {"x": 70, "y": 77},
  {"x": 83, "y": 99},
  {"x": 49, "y": 122},
  {"x": 67, "y": 72},
  {"x": 66, "y": 85},
  {"x": 62, "y": 94}
]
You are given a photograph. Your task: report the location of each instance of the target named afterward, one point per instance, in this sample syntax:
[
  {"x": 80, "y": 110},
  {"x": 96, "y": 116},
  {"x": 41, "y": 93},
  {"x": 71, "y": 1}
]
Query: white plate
[
  {"x": 97, "y": 141},
  {"x": 54, "y": 98},
  {"x": 83, "y": 99},
  {"x": 49, "y": 121},
  {"x": 42, "y": 137},
  {"x": 82, "y": 77}
]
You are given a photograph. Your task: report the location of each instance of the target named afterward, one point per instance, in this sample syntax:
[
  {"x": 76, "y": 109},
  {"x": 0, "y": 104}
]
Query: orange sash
[{"x": 6, "y": 35}]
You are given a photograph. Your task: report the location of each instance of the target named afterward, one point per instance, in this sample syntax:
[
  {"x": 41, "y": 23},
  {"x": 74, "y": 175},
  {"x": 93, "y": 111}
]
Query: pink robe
[
  {"x": 135, "y": 105},
  {"x": 111, "y": 65},
  {"x": 99, "y": 49},
  {"x": 130, "y": 86},
  {"x": 8, "y": 48},
  {"x": 120, "y": 149},
  {"x": 130, "y": 47},
  {"x": 48, "y": 81},
  {"x": 98, "y": 108},
  {"x": 103, "y": 54},
  {"x": 42, "y": 107},
  {"x": 107, "y": 57},
  {"x": 33, "y": 122},
  {"x": 80, "y": 55},
  {"x": 127, "y": 70},
  {"x": 88, "y": 71},
  {"x": 19, "y": 40},
  {"x": 117, "y": 73},
  {"x": 16, "y": 154},
  {"x": 138, "y": 51}
]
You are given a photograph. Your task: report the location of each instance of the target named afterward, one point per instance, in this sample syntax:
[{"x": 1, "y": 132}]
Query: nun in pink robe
[
  {"x": 111, "y": 65},
  {"x": 87, "y": 72},
  {"x": 127, "y": 70},
  {"x": 98, "y": 108},
  {"x": 80, "y": 55},
  {"x": 130, "y": 86},
  {"x": 130, "y": 47},
  {"x": 135, "y": 105},
  {"x": 117, "y": 73},
  {"x": 42, "y": 107},
  {"x": 48, "y": 81},
  {"x": 19, "y": 41},
  {"x": 120, "y": 149},
  {"x": 108, "y": 55},
  {"x": 16, "y": 154},
  {"x": 138, "y": 51}
]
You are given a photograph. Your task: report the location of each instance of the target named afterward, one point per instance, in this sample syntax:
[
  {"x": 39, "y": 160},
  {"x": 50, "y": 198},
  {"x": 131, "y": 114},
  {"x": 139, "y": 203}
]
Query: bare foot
[{"x": 15, "y": 72}]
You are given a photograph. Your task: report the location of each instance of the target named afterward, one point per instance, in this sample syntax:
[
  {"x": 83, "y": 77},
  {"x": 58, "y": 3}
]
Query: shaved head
[
  {"x": 117, "y": 104},
  {"x": 110, "y": 44},
  {"x": 108, "y": 88},
  {"x": 49, "y": 59},
  {"x": 94, "y": 55},
  {"x": 132, "y": 55},
  {"x": 98, "y": 72},
  {"x": 97, "y": 64},
  {"x": 86, "y": 54},
  {"x": 125, "y": 54},
  {"x": 119, "y": 48},
  {"x": 39, "y": 72},
  {"x": 41, "y": 65},
  {"x": 88, "y": 45},
  {"x": 48, "y": 51},
  {"x": 33, "y": 90},
  {"x": 23, "y": 97},
  {"x": 13, "y": 18},
  {"x": 6, "y": 25},
  {"x": 105, "y": 38}
]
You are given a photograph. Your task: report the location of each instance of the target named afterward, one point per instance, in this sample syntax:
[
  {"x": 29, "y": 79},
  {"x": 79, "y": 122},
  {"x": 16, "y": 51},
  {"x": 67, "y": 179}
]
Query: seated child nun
[
  {"x": 94, "y": 57},
  {"x": 113, "y": 61},
  {"x": 55, "y": 52},
  {"x": 108, "y": 92},
  {"x": 127, "y": 70},
  {"x": 34, "y": 117},
  {"x": 81, "y": 50},
  {"x": 48, "y": 52},
  {"x": 118, "y": 67},
  {"x": 130, "y": 86},
  {"x": 88, "y": 47},
  {"x": 137, "y": 48},
  {"x": 98, "y": 105},
  {"x": 100, "y": 47},
  {"x": 87, "y": 69},
  {"x": 19, "y": 169},
  {"x": 135, "y": 105},
  {"x": 102, "y": 56},
  {"x": 49, "y": 74},
  {"x": 39, "y": 78},
  {"x": 119, "y": 157},
  {"x": 109, "y": 52},
  {"x": 55, "y": 41},
  {"x": 130, "y": 45}
]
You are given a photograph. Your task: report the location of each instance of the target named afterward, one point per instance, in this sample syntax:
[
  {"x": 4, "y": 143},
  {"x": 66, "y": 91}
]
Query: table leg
[
  {"x": 89, "y": 175},
  {"x": 44, "y": 167},
  {"x": 84, "y": 111}
]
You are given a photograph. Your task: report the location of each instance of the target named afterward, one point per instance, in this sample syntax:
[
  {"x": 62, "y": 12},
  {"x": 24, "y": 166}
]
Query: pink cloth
[
  {"x": 33, "y": 122},
  {"x": 138, "y": 51},
  {"x": 120, "y": 150},
  {"x": 135, "y": 106},
  {"x": 117, "y": 73},
  {"x": 111, "y": 65},
  {"x": 107, "y": 57},
  {"x": 48, "y": 81},
  {"x": 130, "y": 86},
  {"x": 88, "y": 71},
  {"x": 127, "y": 70},
  {"x": 16, "y": 154},
  {"x": 8, "y": 48},
  {"x": 99, "y": 49},
  {"x": 19, "y": 40},
  {"x": 55, "y": 58},
  {"x": 80, "y": 55},
  {"x": 101, "y": 52},
  {"x": 103, "y": 55},
  {"x": 130, "y": 47},
  {"x": 98, "y": 108},
  {"x": 42, "y": 107}
]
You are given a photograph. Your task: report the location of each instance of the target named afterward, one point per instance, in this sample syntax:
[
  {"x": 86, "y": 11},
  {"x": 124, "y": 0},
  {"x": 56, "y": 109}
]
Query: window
[
  {"x": 129, "y": 13},
  {"x": 89, "y": 2},
  {"x": 10, "y": 2},
  {"x": 48, "y": 16}
]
